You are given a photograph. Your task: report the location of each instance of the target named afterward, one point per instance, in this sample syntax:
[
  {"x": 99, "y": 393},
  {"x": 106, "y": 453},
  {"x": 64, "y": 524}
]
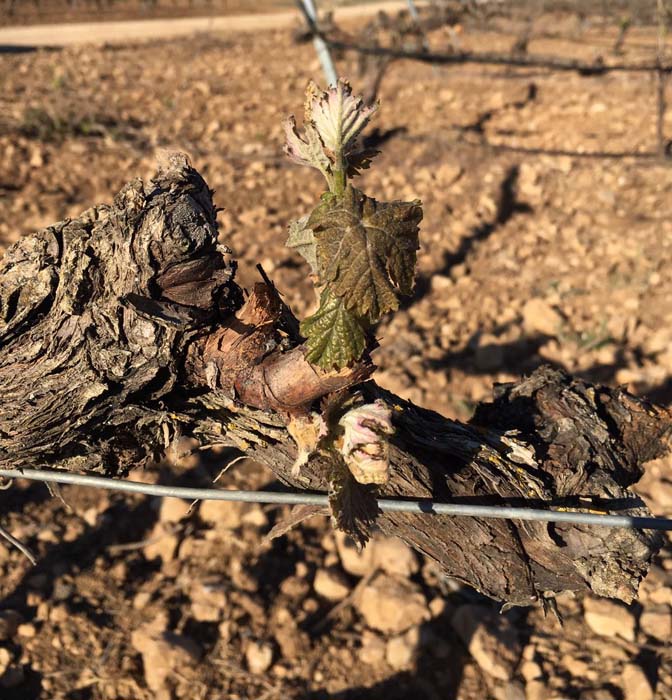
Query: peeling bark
[{"x": 124, "y": 328}]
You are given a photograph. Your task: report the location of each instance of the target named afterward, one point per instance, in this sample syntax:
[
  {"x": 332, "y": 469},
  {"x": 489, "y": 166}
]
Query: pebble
[
  {"x": 540, "y": 318},
  {"x": 330, "y": 584},
  {"x": 224, "y": 515},
  {"x": 173, "y": 510},
  {"x": 657, "y": 623},
  {"x": 608, "y": 618},
  {"x": 162, "y": 653},
  {"x": 373, "y": 649},
  {"x": 394, "y": 556},
  {"x": 392, "y": 605},
  {"x": 400, "y": 651},
  {"x": 635, "y": 684},
  {"x": 259, "y": 657},
  {"x": 490, "y": 638}
]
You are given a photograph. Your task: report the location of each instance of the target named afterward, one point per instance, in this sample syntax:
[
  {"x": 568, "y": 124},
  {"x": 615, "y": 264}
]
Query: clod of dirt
[
  {"x": 259, "y": 657},
  {"x": 223, "y": 515},
  {"x": 162, "y": 653},
  {"x": 394, "y": 557},
  {"x": 636, "y": 685},
  {"x": 400, "y": 651},
  {"x": 162, "y": 543},
  {"x": 173, "y": 510},
  {"x": 208, "y": 600},
  {"x": 657, "y": 623},
  {"x": 353, "y": 561},
  {"x": 491, "y": 639},
  {"x": 609, "y": 619},
  {"x": 392, "y": 605},
  {"x": 539, "y": 317},
  {"x": 330, "y": 584},
  {"x": 373, "y": 649}
]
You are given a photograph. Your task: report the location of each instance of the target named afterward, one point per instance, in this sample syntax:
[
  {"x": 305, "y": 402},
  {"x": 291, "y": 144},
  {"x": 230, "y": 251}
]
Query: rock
[
  {"x": 608, "y": 618},
  {"x": 162, "y": 653},
  {"x": 162, "y": 543},
  {"x": 208, "y": 600},
  {"x": 173, "y": 510},
  {"x": 490, "y": 638},
  {"x": 576, "y": 667},
  {"x": 400, "y": 651},
  {"x": 353, "y": 561},
  {"x": 540, "y": 318},
  {"x": 657, "y": 623},
  {"x": 224, "y": 515},
  {"x": 536, "y": 690},
  {"x": 373, "y": 649},
  {"x": 635, "y": 684},
  {"x": 530, "y": 670},
  {"x": 27, "y": 630},
  {"x": 514, "y": 691},
  {"x": 392, "y": 605},
  {"x": 330, "y": 584},
  {"x": 259, "y": 656},
  {"x": 5, "y": 659},
  {"x": 394, "y": 556}
]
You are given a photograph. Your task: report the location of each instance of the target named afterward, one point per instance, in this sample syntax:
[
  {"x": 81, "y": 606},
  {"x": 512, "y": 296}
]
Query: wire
[
  {"x": 500, "y": 59},
  {"x": 425, "y": 506}
]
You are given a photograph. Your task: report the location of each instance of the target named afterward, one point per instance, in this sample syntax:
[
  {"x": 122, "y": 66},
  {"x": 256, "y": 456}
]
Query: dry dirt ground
[{"x": 546, "y": 238}]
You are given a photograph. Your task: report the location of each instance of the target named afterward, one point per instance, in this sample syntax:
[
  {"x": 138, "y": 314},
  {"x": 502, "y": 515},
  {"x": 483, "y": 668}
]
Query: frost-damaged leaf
[
  {"x": 335, "y": 336},
  {"x": 302, "y": 240},
  {"x": 339, "y": 117},
  {"x": 354, "y": 507},
  {"x": 307, "y": 150},
  {"x": 307, "y": 431},
  {"x": 366, "y": 250}
]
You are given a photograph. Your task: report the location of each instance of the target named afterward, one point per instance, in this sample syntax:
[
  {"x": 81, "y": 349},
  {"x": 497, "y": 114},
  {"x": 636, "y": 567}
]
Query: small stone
[
  {"x": 490, "y": 638},
  {"x": 373, "y": 649},
  {"x": 208, "y": 600},
  {"x": 162, "y": 653},
  {"x": 162, "y": 544},
  {"x": 608, "y": 618},
  {"x": 635, "y": 684},
  {"x": 353, "y": 561},
  {"x": 259, "y": 657},
  {"x": 255, "y": 516},
  {"x": 141, "y": 599},
  {"x": 26, "y": 630},
  {"x": 437, "y": 606},
  {"x": 392, "y": 605},
  {"x": 173, "y": 510},
  {"x": 576, "y": 667},
  {"x": 540, "y": 318},
  {"x": 536, "y": 690},
  {"x": 530, "y": 670},
  {"x": 5, "y": 659},
  {"x": 400, "y": 651},
  {"x": 331, "y": 585},
  {"x": 224, "y": 515},
  {"x": 394, "y": 556},
  {"x": 657, "y": 623}
]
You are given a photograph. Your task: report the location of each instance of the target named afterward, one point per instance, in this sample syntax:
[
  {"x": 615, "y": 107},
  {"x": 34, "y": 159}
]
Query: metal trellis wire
[{"x": 424, "y": 506}]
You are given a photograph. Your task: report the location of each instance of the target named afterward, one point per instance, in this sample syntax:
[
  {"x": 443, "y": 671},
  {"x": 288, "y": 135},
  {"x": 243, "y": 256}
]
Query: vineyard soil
[{"x": 547, "y": 238}]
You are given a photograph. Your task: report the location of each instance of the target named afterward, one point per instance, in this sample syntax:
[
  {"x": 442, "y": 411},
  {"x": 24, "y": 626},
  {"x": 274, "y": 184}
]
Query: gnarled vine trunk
[{"x": 124, "y": 328}]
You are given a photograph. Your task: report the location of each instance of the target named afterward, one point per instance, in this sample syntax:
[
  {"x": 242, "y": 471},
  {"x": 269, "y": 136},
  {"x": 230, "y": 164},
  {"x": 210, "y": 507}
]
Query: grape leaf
[
  {"x": 366, "y": 250},
  {"x": 306, "y": 150},
  {"x": 339, "y": 117},
  {"x": 335, "y": 337},
  {"x": 302, "y": 240},
  {"x": 354, "y": 507}
]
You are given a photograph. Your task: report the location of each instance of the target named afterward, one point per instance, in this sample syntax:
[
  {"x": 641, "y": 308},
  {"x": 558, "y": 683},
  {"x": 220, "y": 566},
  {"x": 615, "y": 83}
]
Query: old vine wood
[{"x": 124, "y": 329}]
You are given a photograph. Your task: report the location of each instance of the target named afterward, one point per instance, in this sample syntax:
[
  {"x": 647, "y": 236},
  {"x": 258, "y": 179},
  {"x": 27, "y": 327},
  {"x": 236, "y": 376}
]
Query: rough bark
[{"x": 124, "y": 328}]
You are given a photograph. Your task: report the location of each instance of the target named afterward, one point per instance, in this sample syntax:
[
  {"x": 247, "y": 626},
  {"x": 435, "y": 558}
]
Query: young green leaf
[
  {"x": 366, "y": 250},
  {"x": 335, "y": 336}
]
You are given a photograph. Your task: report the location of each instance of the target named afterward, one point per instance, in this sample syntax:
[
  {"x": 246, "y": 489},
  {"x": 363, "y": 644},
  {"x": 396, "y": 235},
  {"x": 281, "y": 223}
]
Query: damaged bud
[{"x": 365, "y": 445}]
